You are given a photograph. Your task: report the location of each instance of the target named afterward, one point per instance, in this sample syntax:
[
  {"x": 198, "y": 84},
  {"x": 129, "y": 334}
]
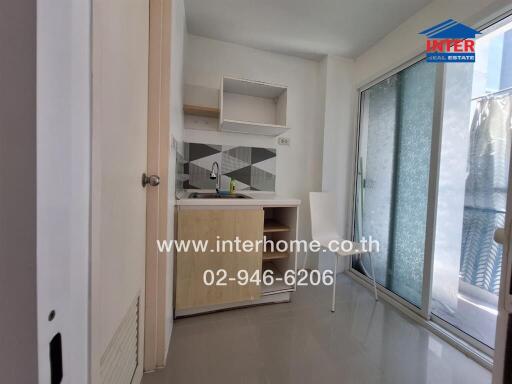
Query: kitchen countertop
[{"x": 265, "y": 199}]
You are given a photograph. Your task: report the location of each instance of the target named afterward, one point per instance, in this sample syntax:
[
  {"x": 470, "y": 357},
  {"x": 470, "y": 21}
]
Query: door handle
[
  {"x": 499, "y": 235},
  {"x": 152, "y": 180}
]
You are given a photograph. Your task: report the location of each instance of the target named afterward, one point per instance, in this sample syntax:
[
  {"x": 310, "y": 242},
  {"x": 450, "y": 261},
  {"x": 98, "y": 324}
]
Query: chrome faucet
[{"x": 216, "y": 175}]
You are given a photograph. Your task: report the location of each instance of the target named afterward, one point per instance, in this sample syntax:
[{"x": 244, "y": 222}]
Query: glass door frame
[
  {"x": 425, "y": 311},
  {"x": 456, "y": 337}
]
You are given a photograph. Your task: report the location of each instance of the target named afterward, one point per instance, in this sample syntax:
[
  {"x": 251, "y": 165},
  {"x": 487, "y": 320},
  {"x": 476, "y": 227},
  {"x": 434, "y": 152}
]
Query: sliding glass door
[
  {"x": 393, "y": 176},
  {"x": 432, "y": 177},
  {"x": 473, "y": 181}
]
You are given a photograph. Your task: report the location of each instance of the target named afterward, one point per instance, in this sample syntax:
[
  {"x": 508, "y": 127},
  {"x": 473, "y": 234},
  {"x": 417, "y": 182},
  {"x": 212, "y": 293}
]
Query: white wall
[
  {"x": 63, "y": 182},
  {"x": 338, "y": 142},
  {"x": 178, "y": 39},
  {"x": 299, "y": 166}
]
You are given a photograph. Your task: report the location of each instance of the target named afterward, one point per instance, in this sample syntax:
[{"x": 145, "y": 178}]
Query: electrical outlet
[{"x": 283, "y": 140}]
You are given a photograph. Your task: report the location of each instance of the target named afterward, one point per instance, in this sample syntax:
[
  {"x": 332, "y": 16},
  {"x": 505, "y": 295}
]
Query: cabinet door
[{"x": 191, "y": 291}]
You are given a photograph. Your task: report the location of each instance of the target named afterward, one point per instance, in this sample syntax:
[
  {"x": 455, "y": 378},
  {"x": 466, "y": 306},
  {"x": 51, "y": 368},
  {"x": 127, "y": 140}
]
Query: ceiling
[{"x": 304, "y": 28}]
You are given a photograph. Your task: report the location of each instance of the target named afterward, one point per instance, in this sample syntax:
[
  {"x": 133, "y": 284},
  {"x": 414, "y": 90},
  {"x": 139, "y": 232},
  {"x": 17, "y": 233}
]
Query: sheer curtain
[{"x": 486, "y": 191}]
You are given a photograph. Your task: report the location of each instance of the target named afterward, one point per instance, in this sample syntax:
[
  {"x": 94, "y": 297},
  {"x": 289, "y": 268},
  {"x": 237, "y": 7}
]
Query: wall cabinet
[
  {"x": 240, "y": 105},
  {"x": 252, "y": 107}
]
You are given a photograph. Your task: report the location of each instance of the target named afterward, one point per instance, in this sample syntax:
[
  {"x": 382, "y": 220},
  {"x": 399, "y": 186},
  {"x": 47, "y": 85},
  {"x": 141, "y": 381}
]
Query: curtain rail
[{"x": 489, "y": 95}]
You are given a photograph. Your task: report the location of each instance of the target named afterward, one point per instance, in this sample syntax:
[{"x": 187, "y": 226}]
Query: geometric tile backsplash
[{"x": 252, "y": 168}]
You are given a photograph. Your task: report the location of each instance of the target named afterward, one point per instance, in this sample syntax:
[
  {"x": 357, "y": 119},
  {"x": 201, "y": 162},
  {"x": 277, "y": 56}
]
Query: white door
[{"x": 118, "y": 206}]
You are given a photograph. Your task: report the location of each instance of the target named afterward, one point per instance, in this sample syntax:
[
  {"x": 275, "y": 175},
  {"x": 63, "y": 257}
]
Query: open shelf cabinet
[
  {"x": 278, "y": 285},
  {"x": 252, "y": 107},
  {"x": 275, "y": 255},
  {"x": 272, "y": 225},
  {"x": 280, "y": 224}
]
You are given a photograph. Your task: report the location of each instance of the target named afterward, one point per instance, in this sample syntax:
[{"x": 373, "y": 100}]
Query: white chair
[{"x": 324, "y": 229}]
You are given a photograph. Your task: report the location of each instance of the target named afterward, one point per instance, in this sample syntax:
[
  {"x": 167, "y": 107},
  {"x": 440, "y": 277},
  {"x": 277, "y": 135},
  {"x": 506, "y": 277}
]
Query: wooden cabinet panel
[{"x": 191, "y": 292}]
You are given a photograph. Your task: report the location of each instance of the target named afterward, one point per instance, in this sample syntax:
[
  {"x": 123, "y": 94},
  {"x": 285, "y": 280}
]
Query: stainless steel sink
[{"x": 213, "y": 195}]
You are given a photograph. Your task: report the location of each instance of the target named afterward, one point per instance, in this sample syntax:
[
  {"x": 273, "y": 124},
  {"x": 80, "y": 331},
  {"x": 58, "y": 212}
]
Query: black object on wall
[{"x": 56, "y": 359}]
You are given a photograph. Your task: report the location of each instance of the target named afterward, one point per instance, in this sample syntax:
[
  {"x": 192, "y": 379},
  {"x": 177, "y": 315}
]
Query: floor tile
[{"x": 363, "y": 342}]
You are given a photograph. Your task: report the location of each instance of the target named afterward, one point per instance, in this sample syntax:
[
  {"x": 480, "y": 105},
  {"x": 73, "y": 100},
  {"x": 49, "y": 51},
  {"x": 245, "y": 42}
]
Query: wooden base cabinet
[{"x": 213, "y": 225}]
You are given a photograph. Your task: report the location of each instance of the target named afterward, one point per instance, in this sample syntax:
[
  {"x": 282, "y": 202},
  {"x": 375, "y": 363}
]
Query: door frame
[
  {"x": 157, "y": 198},
  {"x": 432, "y": 189}
]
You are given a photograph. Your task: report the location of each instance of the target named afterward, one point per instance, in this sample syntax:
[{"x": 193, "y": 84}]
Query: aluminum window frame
[
  {"x": 432, "y": 187},
  {"x": 467, "y": 344}
]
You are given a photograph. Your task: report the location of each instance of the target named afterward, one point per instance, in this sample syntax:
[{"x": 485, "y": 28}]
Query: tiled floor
[
  {"x": 475, "y": 317},
  {"x": 303, "y": 342}
]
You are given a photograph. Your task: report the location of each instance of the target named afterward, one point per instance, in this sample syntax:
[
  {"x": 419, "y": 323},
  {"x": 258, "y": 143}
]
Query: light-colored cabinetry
[{"x": 211, "y": 225}]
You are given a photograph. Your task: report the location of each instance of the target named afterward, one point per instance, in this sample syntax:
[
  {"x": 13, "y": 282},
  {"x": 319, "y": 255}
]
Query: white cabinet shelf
[
  {"x": 252, "y": 107},
  {"x": 252, "y": 128}
]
